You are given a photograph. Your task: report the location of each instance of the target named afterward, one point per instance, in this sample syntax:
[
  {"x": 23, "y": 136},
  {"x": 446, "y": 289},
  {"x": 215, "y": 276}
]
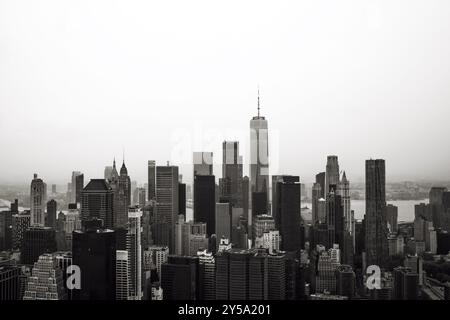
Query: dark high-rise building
[
  {"x": 332, "y": 173},
  {"x": 94, "y": 251},
  {"x": 223, "y": 221},
  {"x": 151, "y": 180},
  {"x": 241, "y": 275},
  {"x": 276, "y": 277},
  {"x": 436, "y": 206},
  {"x": 246, "y": 196},
  {"x": 320, "y": 179},
  {"x": 206, "y": 276},
  {"x": 179, "y": 278},
  {"x": 20, "y": 223},
  {"x": 445, "y": 211},
  {"x": 406, "y": 284},
  {"x": 79, "y": 185},
  {"x": 10, "y": 282},
  {"x": 51, "y": 214},
  {"x": 259, "y": 201},
  {"x": 376, "y": 224},
  {"x": 232, "y": 172},
  {"x": 288, "y": 218},
  {"x": 182, "y": 198},
  {"x": 275, "y": 180},
  {"x": 167, "y": 201},
  {"x": 97, "y": 202},
  {"x": 443, "y": 242},
  {"x": 5, "y": 230},
  {"x": 392, "y": 216},
  {"x": 360, "y": 236},
  {"x": 316, "y": 195},
  {"x": 37, "y": 241},
  {"x": 345, "y": 281},
  {"x": 15, "y": 207},
  {"x": 335, "y": 220},
  {"x": 204, "y": 201}
]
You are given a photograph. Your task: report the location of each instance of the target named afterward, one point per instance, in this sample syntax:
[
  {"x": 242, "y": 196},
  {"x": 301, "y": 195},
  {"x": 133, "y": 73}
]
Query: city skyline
[{"x": 349, "y": 70}]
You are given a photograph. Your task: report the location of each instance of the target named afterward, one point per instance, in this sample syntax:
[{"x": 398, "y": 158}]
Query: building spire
[
  {"x": 114, "y": 162},
  {"x": 123, "y": 155},
  {"x": 258, "y": 101}
]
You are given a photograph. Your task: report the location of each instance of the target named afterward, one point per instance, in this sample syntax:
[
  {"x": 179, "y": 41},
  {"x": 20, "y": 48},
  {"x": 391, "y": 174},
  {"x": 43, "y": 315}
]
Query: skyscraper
[
  {"x": 135, "y": 253},
  {"x": 223, "y": 221},
  {"x": 320, "y": 179},
  {"x": 345, "y": 281},
  {"x": 77, "y": 187},
  {"x": 406, "y": 284},
  {"x": 20, "y": 223},
  {"x": 391, "y": 217},
  {"x": 166, "y": 206},
  {"x": 232, "y": 172},
  {"x": 206, "y": 275},
  {"x": 203, "y": 163},
  {"x": 241, "y": 275},
  {"x": 204, "y": 201},
  {"x": 376, "y": 245},
  {"x": 335, "y": 220},
  {"x": 316, "y": 195},
  {"x": 122, "y": 198},
  {"x": 288, "y": 218},
  {"x": 179, "y": 278},
  {"x": 122, "y": 275},
  {"x": 97, "y": 200},
  {"x": 332, "y": 173},
  {"x": 51, "y": 214},
  {"x": 344, "y": 191},
  {"x": 94, "y": 251},
  {"x": 108, "y": 173},
  {"x": 5, "y": 230},
  {"x": 37, "y": 202},
  {"x": 259, "y": 154},
  {"x": 275, "y": 180},
  {"x": 46, "y": 280},
  {"x": 437, "y": 206},
  {"x": 37, "y": 241},
  {"x": 182, "y": 198},
  {"x": 151, "y": 180},
  {"x": 10, "y": 282}
]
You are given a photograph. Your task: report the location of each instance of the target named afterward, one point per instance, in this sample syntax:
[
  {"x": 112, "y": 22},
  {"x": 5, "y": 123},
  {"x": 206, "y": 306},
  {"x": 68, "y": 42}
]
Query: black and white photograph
[{"x": 214, "y": 159}]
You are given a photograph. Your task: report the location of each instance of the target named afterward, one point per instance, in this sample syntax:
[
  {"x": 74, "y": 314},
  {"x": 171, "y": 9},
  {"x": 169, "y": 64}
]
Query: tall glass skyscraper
[{"x": 375, "y": 218}]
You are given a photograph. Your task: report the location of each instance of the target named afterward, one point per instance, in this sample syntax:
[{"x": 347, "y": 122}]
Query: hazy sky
[{"x": 81, "y": 80}]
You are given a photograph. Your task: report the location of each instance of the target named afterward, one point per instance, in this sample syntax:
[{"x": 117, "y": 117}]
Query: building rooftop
[{"x": 97, "y": 185}]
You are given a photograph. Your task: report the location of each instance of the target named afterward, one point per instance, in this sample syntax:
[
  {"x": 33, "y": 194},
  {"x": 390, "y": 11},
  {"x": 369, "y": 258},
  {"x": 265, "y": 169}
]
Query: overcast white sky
[{"x": 81, "y": 80}]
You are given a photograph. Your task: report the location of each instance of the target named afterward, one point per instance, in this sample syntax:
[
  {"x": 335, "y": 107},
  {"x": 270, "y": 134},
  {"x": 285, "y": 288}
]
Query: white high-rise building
[
  {"x": 71, "y": 223},
  {"x": 269, "y": 240},
  {"x": 122, "y": 275},
  {"x": 154, "y": 257},
  {"x": 46, "y": 280},
  {"x": 38, "y": 201},
  {"x": 135, "y": 253},
  {"x": 75, "y": 186},
  {"x": 344, "y": 192},
  {"x": 259, "y": 154}
]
